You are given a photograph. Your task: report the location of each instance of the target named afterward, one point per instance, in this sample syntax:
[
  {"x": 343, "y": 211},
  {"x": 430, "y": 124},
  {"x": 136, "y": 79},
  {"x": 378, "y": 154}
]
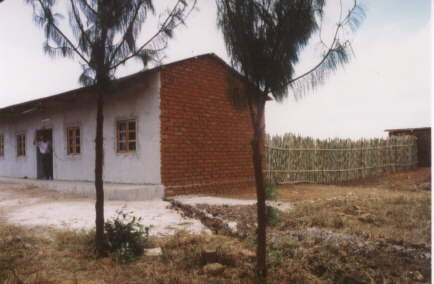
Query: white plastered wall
[{"x": 140, "y": 102}]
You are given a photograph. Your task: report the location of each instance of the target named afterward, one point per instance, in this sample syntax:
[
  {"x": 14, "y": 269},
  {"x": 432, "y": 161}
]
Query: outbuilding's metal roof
[{"x": 407, "y": 129}]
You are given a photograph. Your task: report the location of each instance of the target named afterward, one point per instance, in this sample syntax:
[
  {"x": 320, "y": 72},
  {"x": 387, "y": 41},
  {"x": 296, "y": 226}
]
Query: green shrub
[
  {"x": 272, "y": 216},
  {"x": 125, "y": 237}
]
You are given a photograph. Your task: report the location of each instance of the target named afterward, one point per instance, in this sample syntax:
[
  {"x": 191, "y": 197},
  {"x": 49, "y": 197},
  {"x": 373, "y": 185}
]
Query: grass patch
[
  {"x": 401, "y": 218},
  {"x": 19, "y": 254},
  {"x": 69, "y": 257},
  {"x": 307, "y": 260},
  {"x": 334, "y": 234}
]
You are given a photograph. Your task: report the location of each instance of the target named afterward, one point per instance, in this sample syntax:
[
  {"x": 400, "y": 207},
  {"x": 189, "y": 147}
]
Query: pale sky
[{"x": 387, "y": 85}]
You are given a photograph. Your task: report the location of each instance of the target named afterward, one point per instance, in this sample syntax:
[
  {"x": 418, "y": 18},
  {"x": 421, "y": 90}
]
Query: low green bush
[
  {"x": 272, "y": 216},
  {"x": 125, "y": 237}
]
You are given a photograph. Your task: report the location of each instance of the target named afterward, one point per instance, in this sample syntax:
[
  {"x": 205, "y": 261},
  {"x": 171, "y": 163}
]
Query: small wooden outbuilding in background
[{"x": 423, "y": 135}]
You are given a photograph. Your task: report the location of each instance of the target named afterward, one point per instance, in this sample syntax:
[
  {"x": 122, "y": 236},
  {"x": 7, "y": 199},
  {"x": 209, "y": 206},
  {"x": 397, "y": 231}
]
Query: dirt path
[{"x": 33, "y": 207}]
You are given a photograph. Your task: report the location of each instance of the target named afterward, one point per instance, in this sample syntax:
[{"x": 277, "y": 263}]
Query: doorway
[{"x": 44, "y": 161}]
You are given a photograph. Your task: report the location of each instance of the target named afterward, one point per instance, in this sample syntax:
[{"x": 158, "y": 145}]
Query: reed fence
[{"x": 294, "y": 159}]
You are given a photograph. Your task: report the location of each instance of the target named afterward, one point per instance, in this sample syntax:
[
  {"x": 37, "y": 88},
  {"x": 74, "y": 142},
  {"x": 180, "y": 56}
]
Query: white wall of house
[{"x": 140, "y": 102}]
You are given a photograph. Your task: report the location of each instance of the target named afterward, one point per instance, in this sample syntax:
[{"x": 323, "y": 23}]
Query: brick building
[{"x": 173, "y": 128}]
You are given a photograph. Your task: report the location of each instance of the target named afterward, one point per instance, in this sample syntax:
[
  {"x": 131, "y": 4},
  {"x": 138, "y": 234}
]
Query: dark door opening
[{"x": 44, "y": 154}]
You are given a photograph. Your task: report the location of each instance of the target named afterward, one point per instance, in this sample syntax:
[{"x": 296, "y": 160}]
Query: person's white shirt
[{"x": 44, "y": 147}]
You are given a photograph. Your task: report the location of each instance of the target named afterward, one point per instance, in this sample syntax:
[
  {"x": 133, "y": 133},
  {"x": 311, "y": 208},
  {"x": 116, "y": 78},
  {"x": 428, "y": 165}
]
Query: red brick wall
[{"x": 205, "y": 141}]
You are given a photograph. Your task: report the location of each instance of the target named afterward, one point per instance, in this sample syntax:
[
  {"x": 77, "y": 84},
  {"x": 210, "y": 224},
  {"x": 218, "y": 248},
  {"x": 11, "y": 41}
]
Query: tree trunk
[
  {"x": 99, "y": 163},
  {"x": 102, "y": 86},
  {"x": 257, "y": 148}
]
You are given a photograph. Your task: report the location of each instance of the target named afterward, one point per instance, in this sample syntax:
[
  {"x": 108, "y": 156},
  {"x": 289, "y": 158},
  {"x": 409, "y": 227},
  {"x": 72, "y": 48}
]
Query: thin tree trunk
[
  {"x": 257, "y": 148},
  {"x": 99, "y": 163},
  {"x": 102, "y": 84}
]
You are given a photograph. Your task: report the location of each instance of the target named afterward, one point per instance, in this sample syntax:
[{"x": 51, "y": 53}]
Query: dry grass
[
  {"x": 399, "y": 218},
  {"x": 376, "y": 231},
  {"x": 311, "y": 259},
  {"x": 371, "y": 231},
  {"x": 28, "y": 259},
  {"x": 390, "y": 207}
]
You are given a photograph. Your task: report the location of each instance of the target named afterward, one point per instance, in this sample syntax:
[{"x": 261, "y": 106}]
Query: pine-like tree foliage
[
  {"x": 265, "y": 37},
  {"x": 104, "y": 36},
  {"x": 112, "y": 24}
]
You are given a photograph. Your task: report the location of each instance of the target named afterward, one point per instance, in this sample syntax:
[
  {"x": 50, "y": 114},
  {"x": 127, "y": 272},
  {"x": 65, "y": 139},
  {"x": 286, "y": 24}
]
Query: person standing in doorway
[{"x": 45, "y": 150}]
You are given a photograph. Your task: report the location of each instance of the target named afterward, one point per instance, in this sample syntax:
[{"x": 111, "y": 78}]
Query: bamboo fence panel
[{"x": 294, "y": 159}]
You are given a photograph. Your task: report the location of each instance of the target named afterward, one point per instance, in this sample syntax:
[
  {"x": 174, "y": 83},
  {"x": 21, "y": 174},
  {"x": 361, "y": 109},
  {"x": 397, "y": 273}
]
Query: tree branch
[
  {"x": 63, "y": 35},
  {"x": 130, "y": 25},
  {"x": 89, "y": 7},
  {"x": 331, "y": 48},
  {"x": 162, "y": 28},
  {"x": 160, "y": 31},
  {"x": 80, "y": 25}
]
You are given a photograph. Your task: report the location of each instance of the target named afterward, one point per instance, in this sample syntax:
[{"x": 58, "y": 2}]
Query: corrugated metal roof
[
  {"x": 407, "y": 129},
  {"x": 32, "y": 105}
]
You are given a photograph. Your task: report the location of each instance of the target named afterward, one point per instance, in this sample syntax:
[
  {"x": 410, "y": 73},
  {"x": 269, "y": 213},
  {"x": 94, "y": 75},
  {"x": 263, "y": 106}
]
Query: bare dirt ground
[
  {"x": 372, "y": 231},
  {"x": 393, "y": 184},
  {"x": 35, "y": 208}
]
